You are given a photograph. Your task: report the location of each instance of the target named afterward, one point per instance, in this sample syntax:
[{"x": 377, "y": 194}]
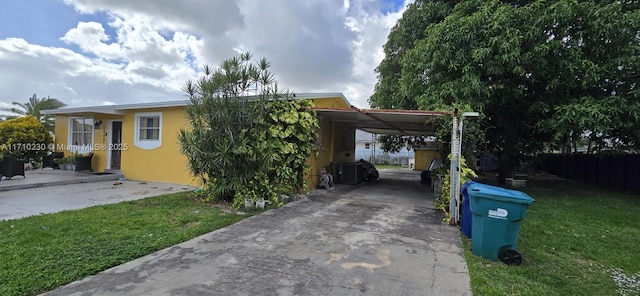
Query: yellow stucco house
[{"x": 140, "y": 140}]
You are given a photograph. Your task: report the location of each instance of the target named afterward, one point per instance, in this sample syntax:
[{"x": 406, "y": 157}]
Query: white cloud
[
  {"x": 72, "y": 77},
  {"x": 322, "y": 45},
  {"x": 91, "y": 37}
]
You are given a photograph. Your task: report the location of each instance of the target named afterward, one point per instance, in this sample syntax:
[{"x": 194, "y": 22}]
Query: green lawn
[
  {"x": 41, "y": 253},
  {"x": 575, "y": 240}
]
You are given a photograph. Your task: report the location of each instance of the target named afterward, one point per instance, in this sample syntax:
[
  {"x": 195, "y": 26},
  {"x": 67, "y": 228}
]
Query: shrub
[
  {"x": 25, "y": 138},
  {"x": 243, "y": 146}
]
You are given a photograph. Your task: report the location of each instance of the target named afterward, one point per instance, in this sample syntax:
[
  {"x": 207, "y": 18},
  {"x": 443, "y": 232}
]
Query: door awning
[{"x": 385, "y": 121}]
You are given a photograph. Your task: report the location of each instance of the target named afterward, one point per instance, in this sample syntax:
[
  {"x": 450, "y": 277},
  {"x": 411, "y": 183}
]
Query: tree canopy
[
  {"x": 33, "y": 106},
  {"x": 543, "y": 73}
]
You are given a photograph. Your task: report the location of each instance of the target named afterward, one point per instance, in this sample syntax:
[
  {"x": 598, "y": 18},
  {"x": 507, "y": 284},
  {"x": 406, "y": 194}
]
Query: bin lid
[
  {"x": 464, "y": 188},
  {"x": 498, "y": 193},
  {"x": 466, "y": 185}
]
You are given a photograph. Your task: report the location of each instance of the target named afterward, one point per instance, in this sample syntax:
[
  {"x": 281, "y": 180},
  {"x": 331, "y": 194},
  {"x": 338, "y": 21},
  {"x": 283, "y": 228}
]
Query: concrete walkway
[
  {"x": 381, "y": 238},
  {"x": 15, "y": 204},
  {"x": 49, "y": 177}
]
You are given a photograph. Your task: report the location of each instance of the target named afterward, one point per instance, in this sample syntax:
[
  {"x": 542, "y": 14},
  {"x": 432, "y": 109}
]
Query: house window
[
  {"x": 367, "y": 146},
  {"x": 81, "y": 134},
  {"x": 148, "y": 130}
]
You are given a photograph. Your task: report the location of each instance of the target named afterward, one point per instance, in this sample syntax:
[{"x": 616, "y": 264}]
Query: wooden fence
[{"x": 616, "y": 171}]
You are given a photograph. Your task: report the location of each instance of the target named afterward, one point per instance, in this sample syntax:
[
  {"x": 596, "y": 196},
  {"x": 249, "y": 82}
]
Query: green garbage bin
[{"x": 497, "y": 213}]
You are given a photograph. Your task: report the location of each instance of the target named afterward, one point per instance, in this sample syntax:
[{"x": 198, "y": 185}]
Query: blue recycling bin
[
  {"x": 497, "y": 213},
  {"x": 467, "y": 217}
]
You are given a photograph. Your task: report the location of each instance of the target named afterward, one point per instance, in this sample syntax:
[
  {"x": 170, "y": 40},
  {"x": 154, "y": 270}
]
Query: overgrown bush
[
  {"x": 246, "y": 146},
  {"x": 25, "y": 138}
]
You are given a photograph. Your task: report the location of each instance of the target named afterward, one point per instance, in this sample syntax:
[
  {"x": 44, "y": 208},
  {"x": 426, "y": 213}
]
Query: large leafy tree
[
  {"x": 33, "y": 107},
  {"x": 389, "y": 92},
  {"x": 537, "y": 70},
  {"x": 402, "y": 38}
]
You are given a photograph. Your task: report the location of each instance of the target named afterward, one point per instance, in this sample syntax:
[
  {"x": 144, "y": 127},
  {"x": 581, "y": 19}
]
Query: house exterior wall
[
  {"x": 331, "y": 102},
  {"x": 166, "y": 164},
  {"x": 320, "y": 157},
  {"x": 365, "y": 153},
  {"x": 332, "y": 151},
  {"x": 423, "y": 158},
  {"x": 61, "y": 130}
]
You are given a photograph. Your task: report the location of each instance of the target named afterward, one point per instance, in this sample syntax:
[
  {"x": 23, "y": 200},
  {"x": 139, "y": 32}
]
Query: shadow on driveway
[{"x": 381, "y": 238}]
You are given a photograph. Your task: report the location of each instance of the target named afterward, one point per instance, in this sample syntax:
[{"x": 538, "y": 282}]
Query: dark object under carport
[
  {"x": 351, "y": 173},
  {"x": 368, "y": 171}
]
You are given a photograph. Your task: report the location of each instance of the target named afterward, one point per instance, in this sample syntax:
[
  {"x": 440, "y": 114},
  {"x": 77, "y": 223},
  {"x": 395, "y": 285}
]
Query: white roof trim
[
  {"x": 119, "y": 109},
  {"x": 84, "y": 110},
  {"x": 180, "y": 103}
]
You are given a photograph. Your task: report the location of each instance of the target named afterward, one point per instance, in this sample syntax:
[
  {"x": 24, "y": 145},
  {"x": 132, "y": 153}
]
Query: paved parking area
[{"x": 381, "y": 238}]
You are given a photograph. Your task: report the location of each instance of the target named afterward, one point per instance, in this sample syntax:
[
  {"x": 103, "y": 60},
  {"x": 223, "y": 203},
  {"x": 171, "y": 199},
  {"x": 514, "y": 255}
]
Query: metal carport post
[{"x": 454, "y": 169}]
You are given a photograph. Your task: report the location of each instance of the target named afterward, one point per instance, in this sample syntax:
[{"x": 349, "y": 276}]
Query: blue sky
[
  {"x": 42, "y": 21},
  {"x": 391, "y": 6},
  {"x": 92, "y": 52}
]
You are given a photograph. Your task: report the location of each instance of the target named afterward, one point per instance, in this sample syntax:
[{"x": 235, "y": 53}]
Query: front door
[{"x": 116, "y": 144}]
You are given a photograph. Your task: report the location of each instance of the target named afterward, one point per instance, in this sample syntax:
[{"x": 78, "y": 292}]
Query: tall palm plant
[{"x": 33, "y": 107}]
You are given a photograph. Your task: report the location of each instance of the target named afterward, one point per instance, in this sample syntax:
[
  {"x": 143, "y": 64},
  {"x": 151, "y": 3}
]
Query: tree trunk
[
  {"x": 507, "y": 163},
  {"x": 508, "y": 157}
]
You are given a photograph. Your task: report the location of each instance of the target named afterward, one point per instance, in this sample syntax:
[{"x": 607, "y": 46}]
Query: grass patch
[
  {"x": 575, "y": 240},
  {"x": 41, "y": 253}
]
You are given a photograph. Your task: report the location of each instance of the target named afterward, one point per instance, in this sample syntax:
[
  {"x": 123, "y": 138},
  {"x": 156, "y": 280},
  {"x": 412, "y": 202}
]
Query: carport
[{"x": 407, "y": 123}]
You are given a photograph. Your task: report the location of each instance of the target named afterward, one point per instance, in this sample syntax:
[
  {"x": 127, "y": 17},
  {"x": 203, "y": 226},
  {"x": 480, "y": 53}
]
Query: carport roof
[{"x": 385, "y": 121}]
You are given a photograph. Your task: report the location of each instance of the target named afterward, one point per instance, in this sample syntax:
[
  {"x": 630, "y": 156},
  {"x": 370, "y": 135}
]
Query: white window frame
[
  {"x": 87, "y": 147},
  {"x": 147, "y": 144},
  {"x": 367, "y": 145}
]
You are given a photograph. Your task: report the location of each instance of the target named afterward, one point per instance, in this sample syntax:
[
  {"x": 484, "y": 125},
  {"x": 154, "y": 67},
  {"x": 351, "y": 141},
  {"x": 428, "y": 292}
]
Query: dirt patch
[{"x": 223, "y": 206}]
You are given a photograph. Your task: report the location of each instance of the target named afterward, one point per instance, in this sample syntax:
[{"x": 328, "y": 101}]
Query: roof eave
[{"x": 84, "y": 110}]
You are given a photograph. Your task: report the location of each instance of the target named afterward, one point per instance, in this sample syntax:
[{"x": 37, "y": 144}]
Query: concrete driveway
[{"x": 381, "y": 238}]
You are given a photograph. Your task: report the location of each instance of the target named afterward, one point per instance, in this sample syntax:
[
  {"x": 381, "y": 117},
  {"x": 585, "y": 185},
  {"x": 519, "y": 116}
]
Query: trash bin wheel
[{"x": 510, "y": 257}]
